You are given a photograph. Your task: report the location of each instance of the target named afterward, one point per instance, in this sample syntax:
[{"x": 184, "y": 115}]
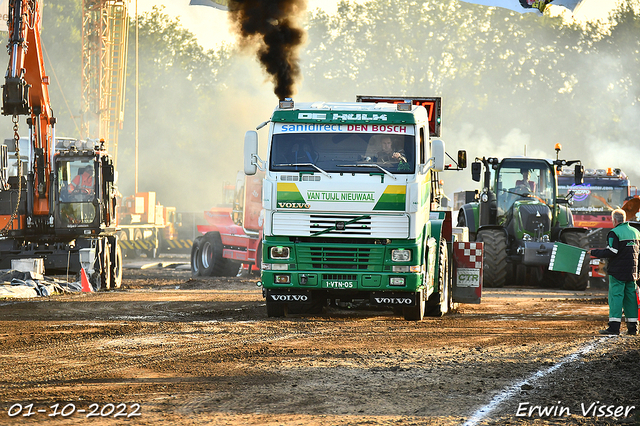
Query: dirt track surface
[{"x": 202, "y": 351}]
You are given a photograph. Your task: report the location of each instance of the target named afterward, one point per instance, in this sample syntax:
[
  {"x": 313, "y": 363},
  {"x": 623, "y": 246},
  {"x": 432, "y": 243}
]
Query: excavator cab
[{"x": 84, "y": 188}]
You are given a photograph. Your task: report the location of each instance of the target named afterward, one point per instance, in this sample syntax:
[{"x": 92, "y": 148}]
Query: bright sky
[
  {"x": 209, "y": 24},
  {"x": 211, "y": 28}
]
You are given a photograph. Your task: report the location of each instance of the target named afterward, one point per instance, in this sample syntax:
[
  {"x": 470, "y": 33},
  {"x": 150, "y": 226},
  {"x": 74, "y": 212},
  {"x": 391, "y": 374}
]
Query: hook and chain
[{"x": 16, "y": 138}]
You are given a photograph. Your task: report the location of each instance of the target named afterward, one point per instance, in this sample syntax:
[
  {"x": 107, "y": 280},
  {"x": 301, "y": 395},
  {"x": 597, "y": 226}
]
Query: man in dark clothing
[{"x": 624, "y": 270}]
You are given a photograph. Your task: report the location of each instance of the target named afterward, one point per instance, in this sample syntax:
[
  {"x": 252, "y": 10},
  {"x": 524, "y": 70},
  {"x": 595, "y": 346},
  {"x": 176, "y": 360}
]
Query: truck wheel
[
  {"x": 573, "y": 281},
  {"x": 195, "y": 256},
  {"x": 105, "y": 265},
  {"x": 441, "y": 300},
  {"x": 276, "y": 310},
  {"x": 211, "y": 260},
  {"x": 415, "y": 313},
  {"x": 116, "y": 264},
  {"x": 495, "y": 256},
  {"x": 230, "y": 268}
]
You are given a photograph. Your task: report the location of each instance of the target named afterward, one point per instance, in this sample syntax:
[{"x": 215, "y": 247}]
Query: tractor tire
[
  {"x": 195, "y": 256},
  {"x": 495, "y": 257},
  {"x": 573, "y": 281},
  {"x": 440, "y": 302},
  {"x": 415, "y": 313},
  {"x": 211, "y": 262}
]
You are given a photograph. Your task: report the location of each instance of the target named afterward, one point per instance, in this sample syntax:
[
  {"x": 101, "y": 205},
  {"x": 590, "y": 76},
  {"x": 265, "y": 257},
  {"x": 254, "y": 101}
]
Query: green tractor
[{"x": 519, "y": 216}]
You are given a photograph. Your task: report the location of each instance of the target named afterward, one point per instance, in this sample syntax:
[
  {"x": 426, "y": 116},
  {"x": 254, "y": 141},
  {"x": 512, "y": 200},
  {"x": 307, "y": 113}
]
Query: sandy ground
[{"x": 170, "y": 349}]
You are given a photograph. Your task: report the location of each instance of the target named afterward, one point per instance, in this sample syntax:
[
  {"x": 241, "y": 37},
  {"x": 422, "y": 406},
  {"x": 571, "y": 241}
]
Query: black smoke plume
[{"x": 271, "y": 26}]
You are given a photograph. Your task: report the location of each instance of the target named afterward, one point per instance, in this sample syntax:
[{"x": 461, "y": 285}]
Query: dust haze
[{"x": 482, "y": 113}]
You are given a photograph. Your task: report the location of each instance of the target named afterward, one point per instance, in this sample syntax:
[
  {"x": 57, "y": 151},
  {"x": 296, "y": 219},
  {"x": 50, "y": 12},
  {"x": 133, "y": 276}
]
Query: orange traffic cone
[{"x": 86, "y": 287}]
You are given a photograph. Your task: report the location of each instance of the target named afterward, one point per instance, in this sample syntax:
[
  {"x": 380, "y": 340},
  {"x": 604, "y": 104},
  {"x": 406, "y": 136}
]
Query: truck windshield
[
  {"x": 594, "y": 197},
  {"x": 520, "y": 180},
  {"x": 76, "y": 189},
  {"x": 342, "y": 152}
]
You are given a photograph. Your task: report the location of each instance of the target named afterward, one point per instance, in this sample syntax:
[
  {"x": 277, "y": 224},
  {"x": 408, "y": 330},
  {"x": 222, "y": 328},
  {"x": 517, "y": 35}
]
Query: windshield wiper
[
  {"x": 334, "y": 227},
  {"x": 386, "y": 172},
  {"x": 306, "y": 164}
]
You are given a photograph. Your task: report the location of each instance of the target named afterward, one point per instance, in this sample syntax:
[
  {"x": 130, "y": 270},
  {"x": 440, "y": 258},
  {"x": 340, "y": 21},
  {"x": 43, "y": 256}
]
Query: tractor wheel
[
  {"x": 462, "y": 222},
  {"x": 195, "y": 256},
  {"x": 495, "y": 256},
  {"x": 573, "y": 281},
  {"x": 521, "y": 275},
  {"x": 211, "y": 262},
  {"x": 441, "y": 301},
  {"x": 415, "y": 313}
]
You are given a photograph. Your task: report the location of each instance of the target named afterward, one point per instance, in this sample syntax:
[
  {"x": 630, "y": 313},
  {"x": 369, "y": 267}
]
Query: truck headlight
[
  {"x": 282, "y": 279},
  {"x": 545, "y": 239},
  {"x": 396, "y": 281},
  {"x": 279, "y": 252},
  {"x": 400, "y": 255},
  {"x": 526, "y": 237}
]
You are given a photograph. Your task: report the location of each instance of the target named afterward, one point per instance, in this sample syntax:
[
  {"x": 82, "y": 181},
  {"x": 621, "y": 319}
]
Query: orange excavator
[{"x": 44, "y": 213}]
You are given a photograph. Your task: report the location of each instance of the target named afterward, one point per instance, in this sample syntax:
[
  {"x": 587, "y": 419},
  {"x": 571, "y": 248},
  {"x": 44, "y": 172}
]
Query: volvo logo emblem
[{"x": 340, "y": 225}]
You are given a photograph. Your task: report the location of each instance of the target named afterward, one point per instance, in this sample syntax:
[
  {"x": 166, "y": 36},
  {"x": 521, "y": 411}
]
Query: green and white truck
[{"x": 346, "y": 222}]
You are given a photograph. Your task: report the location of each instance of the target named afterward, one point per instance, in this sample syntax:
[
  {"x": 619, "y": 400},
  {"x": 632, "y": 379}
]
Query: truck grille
[
  {"x": 358, "y": 258},
  {"x": 331, "y": 225}
]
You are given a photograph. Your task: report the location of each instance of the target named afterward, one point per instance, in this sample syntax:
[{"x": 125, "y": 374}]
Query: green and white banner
[
  {"x": 311, "y": 196},
  {"x": 566, "y": 258}
]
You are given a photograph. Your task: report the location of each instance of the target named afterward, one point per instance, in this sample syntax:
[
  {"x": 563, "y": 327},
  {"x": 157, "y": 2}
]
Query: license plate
[{"x": 339, "y": 284}]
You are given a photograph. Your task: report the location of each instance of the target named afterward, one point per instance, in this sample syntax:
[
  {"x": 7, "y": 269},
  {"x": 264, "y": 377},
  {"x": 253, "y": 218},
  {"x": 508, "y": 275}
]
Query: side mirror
[
  {"x": 109, "y": 173},
  {"x": 462, "y": 159},
  {"x": 476, "y": 170},
  {"x": 437, "y": 150},
  {"x": 579, "y": 174},
  {"x": 250, "y": 151}
]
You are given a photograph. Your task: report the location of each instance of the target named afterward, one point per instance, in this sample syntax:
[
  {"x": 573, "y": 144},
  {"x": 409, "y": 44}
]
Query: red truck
[
  {"x": 602, "y": 191},
  {"x": 233, "y": 235}
]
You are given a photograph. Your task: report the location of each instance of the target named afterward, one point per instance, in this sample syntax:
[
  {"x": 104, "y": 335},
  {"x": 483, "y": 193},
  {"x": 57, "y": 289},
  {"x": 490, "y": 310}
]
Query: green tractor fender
[{"x": 468, "y": 216}]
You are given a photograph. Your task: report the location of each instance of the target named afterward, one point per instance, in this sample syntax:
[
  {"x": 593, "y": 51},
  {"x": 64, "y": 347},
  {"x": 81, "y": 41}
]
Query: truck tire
[
  {"x": 415, "y": 313},
  {"x": 116, "y": 264},
  {"x": 441, "y": 301},
  {"x": 495, "y": 256},
  {"x": 210, "y": 259},
  {"x": 105, "y": 265},
  {"x": 195, "y": 257},
  {"x": 573, "y": 281},
  {"x": 230, "y": 267},
  {"x": 276, "y": 310}
]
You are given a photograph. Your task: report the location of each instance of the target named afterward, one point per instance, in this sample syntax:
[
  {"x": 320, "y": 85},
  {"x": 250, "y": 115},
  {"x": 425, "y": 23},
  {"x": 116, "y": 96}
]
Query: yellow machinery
[{"x": 104, "y": 64}]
